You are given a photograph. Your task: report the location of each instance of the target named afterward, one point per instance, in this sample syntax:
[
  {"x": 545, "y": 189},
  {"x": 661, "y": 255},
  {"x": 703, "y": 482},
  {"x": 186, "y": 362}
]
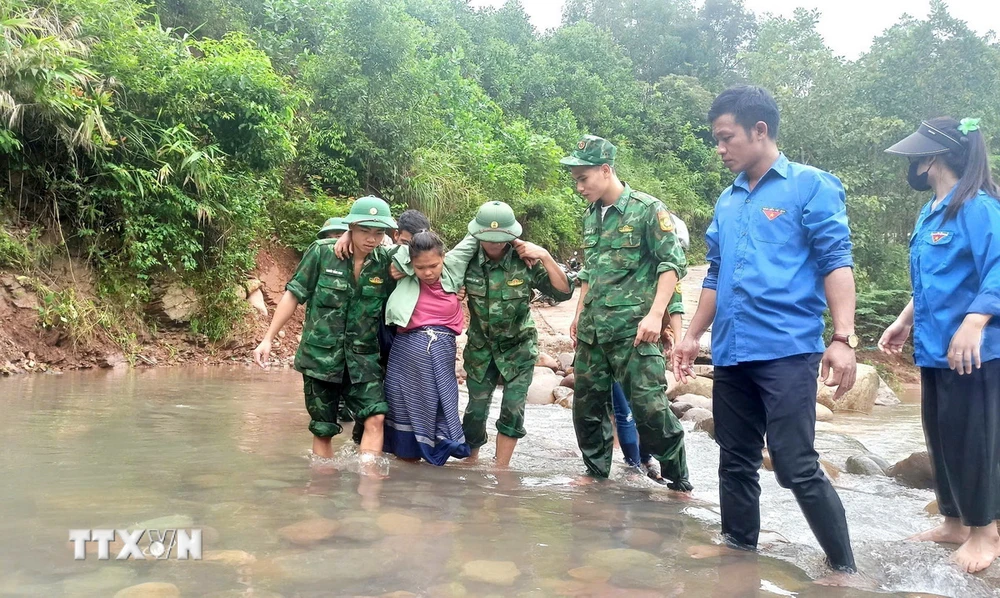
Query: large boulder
[
  {"x": 547, "y": 361},
  {"x": 886, "y": 397},
  {"x": 823, "y": 414},
  {"x": 177, "y": 305},
  {"x": 914, "y": 471},
  {"x": 696, "y": 414},
  {"x": 700, "y": 386},
  {"x": 680, "y": 408},
  {"x": 861, "y": 398},
  {"x": 540, "y": 391}
]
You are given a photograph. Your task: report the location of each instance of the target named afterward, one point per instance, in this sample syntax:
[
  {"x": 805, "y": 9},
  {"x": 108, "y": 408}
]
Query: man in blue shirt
[{"x": 779, "y": 248}]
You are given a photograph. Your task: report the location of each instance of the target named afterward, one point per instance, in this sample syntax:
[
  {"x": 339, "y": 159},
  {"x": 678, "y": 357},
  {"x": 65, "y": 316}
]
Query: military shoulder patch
[
  {"x": 515, "y": 282},
  {"x": 666, "y": 222},
  {"x": 375, "y": 280}
]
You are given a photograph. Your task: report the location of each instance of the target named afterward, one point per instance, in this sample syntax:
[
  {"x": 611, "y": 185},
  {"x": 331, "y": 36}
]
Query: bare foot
[
  {"x": 951, "y": 532},
  {"x": 708, "y": 551},
  {"x": 844, "y": 579},
  {"x": 979, "y": 551}
]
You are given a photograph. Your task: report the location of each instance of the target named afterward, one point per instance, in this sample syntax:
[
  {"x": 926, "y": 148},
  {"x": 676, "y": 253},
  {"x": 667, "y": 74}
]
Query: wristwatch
[{"x": 850, "y": 339}]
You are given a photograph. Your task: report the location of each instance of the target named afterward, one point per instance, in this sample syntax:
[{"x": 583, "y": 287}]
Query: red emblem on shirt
[
  {"x": 773, "y": 213},
  {"x": 937, "y": 236}
]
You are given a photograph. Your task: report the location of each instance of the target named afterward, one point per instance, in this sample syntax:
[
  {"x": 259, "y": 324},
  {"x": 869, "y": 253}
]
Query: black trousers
[
  {"x": 777, "y": 398},
  {"x": 961, "y": 416}
]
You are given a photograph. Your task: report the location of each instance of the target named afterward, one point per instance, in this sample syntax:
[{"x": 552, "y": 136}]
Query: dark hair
[
  {"x": 971, "y": 165},
  {"x": 413, "y": 222},
  {"x": 749, "y": 105},
  {"x": 425, "y": 241}
]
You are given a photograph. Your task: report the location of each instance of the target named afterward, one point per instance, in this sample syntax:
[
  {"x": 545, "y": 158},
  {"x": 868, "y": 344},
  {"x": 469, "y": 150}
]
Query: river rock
[
  {"x": 150, "y": 590},
  {"x": 97, "y": 583},
  {"x": 885, "y": 396},
  {"x": 178, "y": 304},
  {"x": 914, "y": 471},
  {"x": 705, "y": 371},
  {"x": 168, "y": 522},
  {"x": 547, "y": 361},
  {"x": 256, "y": 300},
  {"x": 932, "y": 508},
  {"x": 621, "y": 558},
  {"x": 707, "y": 426},
  {"x": 540, "y": 391},
  {"x": 696, "y": 414},
  {"x": 559, "y": 343},
  {"x": 566, "y": 360},
  {"x": 309, "y": 531},
  {"x": 696, "y": 401},
  {"x": 448, "y": 590},
  {"x": 569, "y": 381},
  {"x": 680, "y": 408},
  {"x": 352, "y": 564},
  {"x": 642, "y": 538},
  {"x": 861, "y": 398},
  {"x": 232, "y": 558},
  {"x": 563, "y": 396},
  {"x": 822, "y": 413},
  {"x": 397, "y": 524},
  {"x": 358, "y": 530},
  {"x": 698, "y": 386},
  {"x": 399, "y": 594},
  {"x": 863, "y": 465},
  {"x": 498, "y": 573},
  {"x": 590, "y": 574}
]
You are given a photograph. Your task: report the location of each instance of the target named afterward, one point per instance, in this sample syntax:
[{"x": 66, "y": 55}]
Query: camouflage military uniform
[
  {"x": 339, "y": 353},
  {"x": 625, "y": 252},
  {"x": 502, "y": 346}
]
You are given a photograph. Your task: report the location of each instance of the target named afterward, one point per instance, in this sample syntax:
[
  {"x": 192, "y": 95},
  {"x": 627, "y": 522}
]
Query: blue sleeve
[
  {"x": 825, "y": 218},
  {"x": 982, "y": 221},
  {"x": 712, "y": 256}
]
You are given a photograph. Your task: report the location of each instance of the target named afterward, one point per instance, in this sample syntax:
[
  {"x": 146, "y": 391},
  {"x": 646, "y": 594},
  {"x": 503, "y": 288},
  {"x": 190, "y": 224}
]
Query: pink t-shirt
[{"x": 435, "y": 307}]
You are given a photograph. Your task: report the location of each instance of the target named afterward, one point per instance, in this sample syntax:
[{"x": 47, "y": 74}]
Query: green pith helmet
[
  {"x": 591, "y": 150},
  {"x": 332, "y": 225},
  {"x": 370, "y": 211},
  {"x": 495, "y": 223}
]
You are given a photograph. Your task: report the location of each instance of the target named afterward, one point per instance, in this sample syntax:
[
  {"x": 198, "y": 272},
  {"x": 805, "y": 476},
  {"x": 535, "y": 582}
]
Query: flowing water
[{"x": 226, "y": 451}]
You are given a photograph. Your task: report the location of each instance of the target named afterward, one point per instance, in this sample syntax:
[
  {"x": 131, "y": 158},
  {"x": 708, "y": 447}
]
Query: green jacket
[
  {"x": 500, "y": 325},
  {"x": 399, "y": 309},
  {"x": 624, "y": 254},
  {"x": 342, "y": 315}
]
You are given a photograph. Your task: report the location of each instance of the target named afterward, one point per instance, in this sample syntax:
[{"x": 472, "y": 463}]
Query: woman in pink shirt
[{"x": 420, "y": 383}]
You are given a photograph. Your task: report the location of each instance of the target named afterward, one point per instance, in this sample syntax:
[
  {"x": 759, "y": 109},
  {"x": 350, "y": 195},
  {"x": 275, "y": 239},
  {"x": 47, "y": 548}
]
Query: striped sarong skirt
[{"x": 422, "y": 392}]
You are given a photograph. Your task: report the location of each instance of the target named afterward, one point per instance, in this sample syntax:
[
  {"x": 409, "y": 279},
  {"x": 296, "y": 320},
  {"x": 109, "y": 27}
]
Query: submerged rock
[
  {"x": 310, "y": 531},
  {"x": 621, "y": 558},
  {"x": 232, "y": 558},
  {"x": 863, "y": 465},
  {"x": 498, "y": 573},
  {"x": 590, "y": 574},
  {"x": 397, "y": 524},
  {"x": 150, "y": 590}
]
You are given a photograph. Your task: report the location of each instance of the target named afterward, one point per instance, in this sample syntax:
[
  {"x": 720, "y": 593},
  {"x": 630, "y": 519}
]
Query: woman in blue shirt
[{"x": 955, "y": 269}]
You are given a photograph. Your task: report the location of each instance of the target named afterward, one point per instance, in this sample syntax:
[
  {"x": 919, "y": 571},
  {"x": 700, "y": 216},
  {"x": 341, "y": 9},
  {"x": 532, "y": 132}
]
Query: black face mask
[{"x": 917, "y": 181}]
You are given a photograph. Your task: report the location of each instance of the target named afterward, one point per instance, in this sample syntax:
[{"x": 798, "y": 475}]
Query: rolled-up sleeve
[
  {"x": 982, "y": 221},
  {"x": 825, "y": 219},
  {"x": 303, "y": 282},
  {"x": 712, "y": 256},
  {"x": 663, "y": 243}
]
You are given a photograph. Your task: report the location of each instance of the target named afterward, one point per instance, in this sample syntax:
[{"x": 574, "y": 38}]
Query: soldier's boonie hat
[
  {"x": 591, "y": 150},
  {"x": 332, "y": 225},
  {"x": 495, "y": 223},
  {"x": 370, "y": 211}
]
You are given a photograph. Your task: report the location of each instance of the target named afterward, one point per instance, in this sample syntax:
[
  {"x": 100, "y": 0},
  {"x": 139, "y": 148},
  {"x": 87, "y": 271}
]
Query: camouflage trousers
[
  {"x": 323, "y": 400},
  {"x": 641, "y": 372},
  {"x": 515, "y": 393}
]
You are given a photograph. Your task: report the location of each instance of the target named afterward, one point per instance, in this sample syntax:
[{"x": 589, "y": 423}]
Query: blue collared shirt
[
  {"x": 769, "y": 251},
  {"x": 955, "y": 268}
]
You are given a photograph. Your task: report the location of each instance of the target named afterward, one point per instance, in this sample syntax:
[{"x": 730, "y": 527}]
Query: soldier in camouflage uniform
[
  {"x": 632, "y": 263},
  {"x": 339, "y": 352},
  {"x": 502, "y": 346}
]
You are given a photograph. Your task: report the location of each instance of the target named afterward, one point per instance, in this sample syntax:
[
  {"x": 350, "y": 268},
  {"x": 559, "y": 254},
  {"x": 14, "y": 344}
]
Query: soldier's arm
[
  {"x": 298, "y": 290},
  {"x": 456, "y": 262},
  {"x": 551, "y": 281},
  {"x": 671, "y": 265}
]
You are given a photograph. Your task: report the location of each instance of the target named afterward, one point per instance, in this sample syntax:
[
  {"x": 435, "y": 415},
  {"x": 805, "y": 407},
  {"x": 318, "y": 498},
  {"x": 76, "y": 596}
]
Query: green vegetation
[{"x": 167, "y": 140}]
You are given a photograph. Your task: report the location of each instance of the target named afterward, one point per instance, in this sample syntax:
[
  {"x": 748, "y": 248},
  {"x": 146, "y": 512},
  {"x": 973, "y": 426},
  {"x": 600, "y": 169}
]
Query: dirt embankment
[{"x": 34, "y": 339}]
